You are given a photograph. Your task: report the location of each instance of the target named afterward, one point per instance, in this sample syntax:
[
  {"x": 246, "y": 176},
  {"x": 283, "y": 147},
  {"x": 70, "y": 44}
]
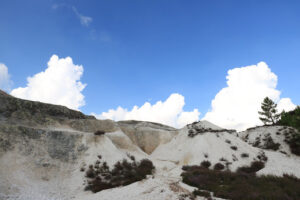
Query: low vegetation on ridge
[
  {"x": 100, "y": 177},
  {"x": 243, "y": 184}
]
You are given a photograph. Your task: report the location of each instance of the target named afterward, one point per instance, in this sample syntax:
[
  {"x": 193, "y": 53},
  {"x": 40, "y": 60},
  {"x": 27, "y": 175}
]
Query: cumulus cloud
[
  {"x": 236, "y": 106},
  {"x": 5, "y": 82},
  {"x": 285, "y": 104},
  {"x": 58, "y": 84},
  {"x": 84, "y": 20},
  {"x": 169, "y": 112}
]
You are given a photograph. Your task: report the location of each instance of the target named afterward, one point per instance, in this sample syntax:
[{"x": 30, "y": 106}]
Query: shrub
[
  {"x": 234, "y": 148},
  {"x": 219, "y": 166},
  {"x": 201, "y": 193},
  {"x": 99, "y": 133},
  {"x": 255, "y": 167},
  {"x": 262, "y": 156},
  {"x": 223, "y": 159},
  {"x": 234, "y": 158},
  {"x": 131, "y": 157},
  {"x": 228, "y": 141},
  {"x": 194, "y": 130},
  {"x": 291, "y": 118},
  {"x": 205, "y": 164},
  {"x": 145, "y": 167},
  {"x": 191, "y": 167},
  {"x": 90, "y": 173},
  {"x": 97, "y": 185},
  {"x": 294, "y": 143},
  {"x": 244, "y": 155},
  {"x": 270, "y": 144},
  {"x": 243, "y": 186},
  {"x": 123, "y": 173}
]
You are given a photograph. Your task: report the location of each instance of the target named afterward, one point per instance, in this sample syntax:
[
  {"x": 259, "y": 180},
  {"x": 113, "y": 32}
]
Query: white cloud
[
  {"x": 5, "y": 82},
  {"x": 236, "y": 106},
  {"x": 58, "y": 84},
  {"x": 285, "y": 104},
  {"x": 169, "y": 112},
  {"x": 84, "y": 20}
]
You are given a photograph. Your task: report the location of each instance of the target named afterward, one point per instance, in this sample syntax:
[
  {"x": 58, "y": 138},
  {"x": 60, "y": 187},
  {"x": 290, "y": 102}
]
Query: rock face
[
  {"x": 147, "y": 135},
  {"x": 45, "y": 148},
  {"x": 12, "y": 107}
]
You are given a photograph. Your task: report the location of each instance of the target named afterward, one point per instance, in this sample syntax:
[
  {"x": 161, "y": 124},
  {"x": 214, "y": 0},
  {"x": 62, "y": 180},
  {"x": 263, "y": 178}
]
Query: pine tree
[{"x": 269, "y": 113}]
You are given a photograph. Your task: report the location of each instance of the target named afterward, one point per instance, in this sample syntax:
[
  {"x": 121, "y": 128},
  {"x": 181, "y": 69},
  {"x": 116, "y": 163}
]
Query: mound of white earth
[
  {"x": 45, "y": 151},
  {"x": 226, "y": 148}
]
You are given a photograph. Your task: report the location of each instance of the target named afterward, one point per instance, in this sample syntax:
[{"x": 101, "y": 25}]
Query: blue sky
[{"x": 138, "y": 51}]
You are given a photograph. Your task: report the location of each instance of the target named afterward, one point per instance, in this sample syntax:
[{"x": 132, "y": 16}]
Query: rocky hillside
[{"x": 49, "y": 152}]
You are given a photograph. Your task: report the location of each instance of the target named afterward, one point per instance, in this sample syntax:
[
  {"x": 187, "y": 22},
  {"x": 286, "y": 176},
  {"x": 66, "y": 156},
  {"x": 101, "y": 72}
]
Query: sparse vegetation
[
  {"x": 244, "y": 155},
  {"x": 99, "y": 133},
  {"x": 100, "y": 177},
  {"x": 223, "y": 159},
  {"x": 205, "y": 164},
  {"x": 291, "y": 118},
  {"x": 262, "y": 156},
  {"x": 255, "y": 167},
  {"x": 219, "y": 166},
  {"x": 194, "y": 130},
  {"x": 201, "y": 193},
  {"x": 294, "y": 143},
  {"x": 270, "y": 144},
  {"x": 234, "y": 148},
  {"x": 228, "y": 141},
  {"x": 240, "y": 185}
]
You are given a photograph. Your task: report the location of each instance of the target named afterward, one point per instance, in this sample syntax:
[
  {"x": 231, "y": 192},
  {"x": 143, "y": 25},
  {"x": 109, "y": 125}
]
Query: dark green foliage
[
  {"x": 124, "y": 173},
  {"x": 90, "y": 173},
  {"x": 234, "y": 148},
  {"x": 219, "y": 166},
  {"x": 255, "y": 167},
  {"x": 270, "y": 144},
  {"x": 294, "y": 143},
  {"x": 99, "y": 133},
  {"x": 269, "y": 113},
  {"x": 201, "y": 193},
  {"x": 228, "y": 141},
  {"x": 205, "y": 164},
  {"x": 191, "y": 167},
  {"x": 291, "y": 118},
  {"x": 194, "y": 130},
  {"x": 243, "y": 186},
  {"x": 244, "y": 155},
  {"x": 262, "y": 157}
]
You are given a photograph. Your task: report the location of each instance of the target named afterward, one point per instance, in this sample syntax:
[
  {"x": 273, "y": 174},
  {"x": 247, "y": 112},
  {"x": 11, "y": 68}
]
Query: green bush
[
  {"x": 244, "y": 155},
  {"x": 234, "y": 148},
  {"x": 255, "y": 167},
  {"x": 219, "y": 166},
  {"x": 100, "y": 177},
  {"x": 294, "y": 143},
  {"x": 201, "y": 193},
  {"x": 205, "y": 164},
  {"x": 99, "y": 133},
  {"x": 242, "y": 186},
  {"x": 291, "y": 118}
]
